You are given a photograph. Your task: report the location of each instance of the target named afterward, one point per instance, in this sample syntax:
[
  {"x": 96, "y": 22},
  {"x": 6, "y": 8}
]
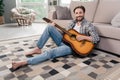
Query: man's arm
[
  {"x": 94, "y": 37},
  {"x": 93, "y": 33},
  {"x": 79, "y": 38}
]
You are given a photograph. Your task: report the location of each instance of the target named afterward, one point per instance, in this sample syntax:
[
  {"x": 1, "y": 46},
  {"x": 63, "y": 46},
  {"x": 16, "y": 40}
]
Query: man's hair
[{"x": 81, "y": 7}]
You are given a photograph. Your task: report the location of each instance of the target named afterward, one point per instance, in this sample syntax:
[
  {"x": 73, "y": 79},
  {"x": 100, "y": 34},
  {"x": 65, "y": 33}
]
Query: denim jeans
[{"x": 61, "y": 50}]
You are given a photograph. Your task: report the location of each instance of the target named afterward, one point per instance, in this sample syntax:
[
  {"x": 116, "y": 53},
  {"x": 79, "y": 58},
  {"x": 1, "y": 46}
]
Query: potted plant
[{"x": 1, "y": 12}]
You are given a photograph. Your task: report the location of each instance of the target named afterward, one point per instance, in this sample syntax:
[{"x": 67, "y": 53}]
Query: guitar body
[{"x": 80, "y": 47}]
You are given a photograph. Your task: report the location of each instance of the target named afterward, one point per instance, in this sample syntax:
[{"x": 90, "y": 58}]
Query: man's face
[{"x": 79, "y": 14}]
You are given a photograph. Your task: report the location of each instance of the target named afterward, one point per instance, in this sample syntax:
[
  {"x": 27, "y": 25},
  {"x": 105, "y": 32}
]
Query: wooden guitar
[{"x": 82, "y": 48}]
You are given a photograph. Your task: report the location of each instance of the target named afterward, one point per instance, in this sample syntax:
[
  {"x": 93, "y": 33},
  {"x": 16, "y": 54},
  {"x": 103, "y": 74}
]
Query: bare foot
[
  {"x": 34, "y": 51},
  {"x": 15, "y": 65}
]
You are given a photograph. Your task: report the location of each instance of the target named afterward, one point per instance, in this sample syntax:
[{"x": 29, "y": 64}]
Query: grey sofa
[{"x": 100, "y": 13}]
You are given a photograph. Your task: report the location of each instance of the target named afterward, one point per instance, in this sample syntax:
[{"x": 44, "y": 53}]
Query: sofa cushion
[
  {"x": 106, "y": 10},
  {"x": 89, "y": 6},
  {"x": 63, "y": 13},
  {"x": 107, "y": 30},
  {"x": 116, "y": 20}
]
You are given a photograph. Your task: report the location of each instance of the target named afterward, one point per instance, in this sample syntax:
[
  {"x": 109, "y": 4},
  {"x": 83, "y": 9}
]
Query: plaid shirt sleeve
[{"x": 93, "y": 33}]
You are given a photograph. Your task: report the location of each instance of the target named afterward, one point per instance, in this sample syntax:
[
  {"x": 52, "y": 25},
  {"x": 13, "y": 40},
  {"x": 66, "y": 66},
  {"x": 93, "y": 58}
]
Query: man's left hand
[{"x": 80, "y": 38}]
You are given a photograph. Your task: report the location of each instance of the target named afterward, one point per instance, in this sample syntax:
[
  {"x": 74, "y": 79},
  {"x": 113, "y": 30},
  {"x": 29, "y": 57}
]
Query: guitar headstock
[{"x": 47, "y": 20}]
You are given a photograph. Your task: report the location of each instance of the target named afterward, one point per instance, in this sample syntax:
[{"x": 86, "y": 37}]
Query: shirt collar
[{"x": 82, "y": 22}]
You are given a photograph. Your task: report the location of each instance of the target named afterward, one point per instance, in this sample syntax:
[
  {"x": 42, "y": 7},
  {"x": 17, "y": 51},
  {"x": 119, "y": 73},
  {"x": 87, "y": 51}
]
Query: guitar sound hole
[{"x": 73, "y": 37}]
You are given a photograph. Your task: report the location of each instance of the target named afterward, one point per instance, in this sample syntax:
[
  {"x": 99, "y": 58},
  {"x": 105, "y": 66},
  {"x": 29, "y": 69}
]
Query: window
[
  {"x": 67, "y": 2},
  {"x": 40, "y": 7}
]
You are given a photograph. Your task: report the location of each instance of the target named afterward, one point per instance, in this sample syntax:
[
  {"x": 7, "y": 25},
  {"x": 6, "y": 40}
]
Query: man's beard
[{"x": 79, "y": 20}]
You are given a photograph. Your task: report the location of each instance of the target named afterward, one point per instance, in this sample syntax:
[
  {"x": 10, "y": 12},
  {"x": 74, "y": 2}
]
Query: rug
[
  {"x": 63, "y": 68},
  {"x": 111, "y": 74}
]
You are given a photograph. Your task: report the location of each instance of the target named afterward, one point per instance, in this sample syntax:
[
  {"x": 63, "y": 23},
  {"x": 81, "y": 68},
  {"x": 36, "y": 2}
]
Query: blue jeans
[{"x": 61, "y": 50}]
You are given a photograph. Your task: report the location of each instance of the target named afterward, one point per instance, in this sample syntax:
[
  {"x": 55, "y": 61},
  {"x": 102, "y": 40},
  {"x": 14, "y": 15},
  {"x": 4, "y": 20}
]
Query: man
[{"x": 79, "y": 24}]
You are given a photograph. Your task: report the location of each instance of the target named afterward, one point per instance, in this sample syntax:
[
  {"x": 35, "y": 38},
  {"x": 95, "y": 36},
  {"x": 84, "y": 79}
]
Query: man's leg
[
  {"x": 50, "y": 54},
  {"x": 50, "y": 31},
  {"x": 53, "y": 53}
]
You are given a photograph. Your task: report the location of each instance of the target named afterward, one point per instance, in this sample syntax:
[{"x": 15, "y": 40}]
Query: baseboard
[{"x": 115, "y": 54}]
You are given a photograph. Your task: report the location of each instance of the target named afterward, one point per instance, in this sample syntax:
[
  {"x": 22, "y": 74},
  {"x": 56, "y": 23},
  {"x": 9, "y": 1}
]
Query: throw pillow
[
  {"x": 63, "y": 13},
  {"x": 116, "y": 20},
  {"x": 54, "y": 15}
]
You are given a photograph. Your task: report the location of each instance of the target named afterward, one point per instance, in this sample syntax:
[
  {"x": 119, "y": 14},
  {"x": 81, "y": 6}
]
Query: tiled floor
[{"x": 62, "y": 68}]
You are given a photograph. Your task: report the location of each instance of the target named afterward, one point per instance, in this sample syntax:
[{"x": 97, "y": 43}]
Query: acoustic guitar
[{"x": 82, "y": 48}]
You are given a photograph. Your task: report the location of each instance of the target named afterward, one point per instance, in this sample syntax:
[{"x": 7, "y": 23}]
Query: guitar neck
[
  {"x": 56, "y": 25},
  {"x": 62, "y": 29}
]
